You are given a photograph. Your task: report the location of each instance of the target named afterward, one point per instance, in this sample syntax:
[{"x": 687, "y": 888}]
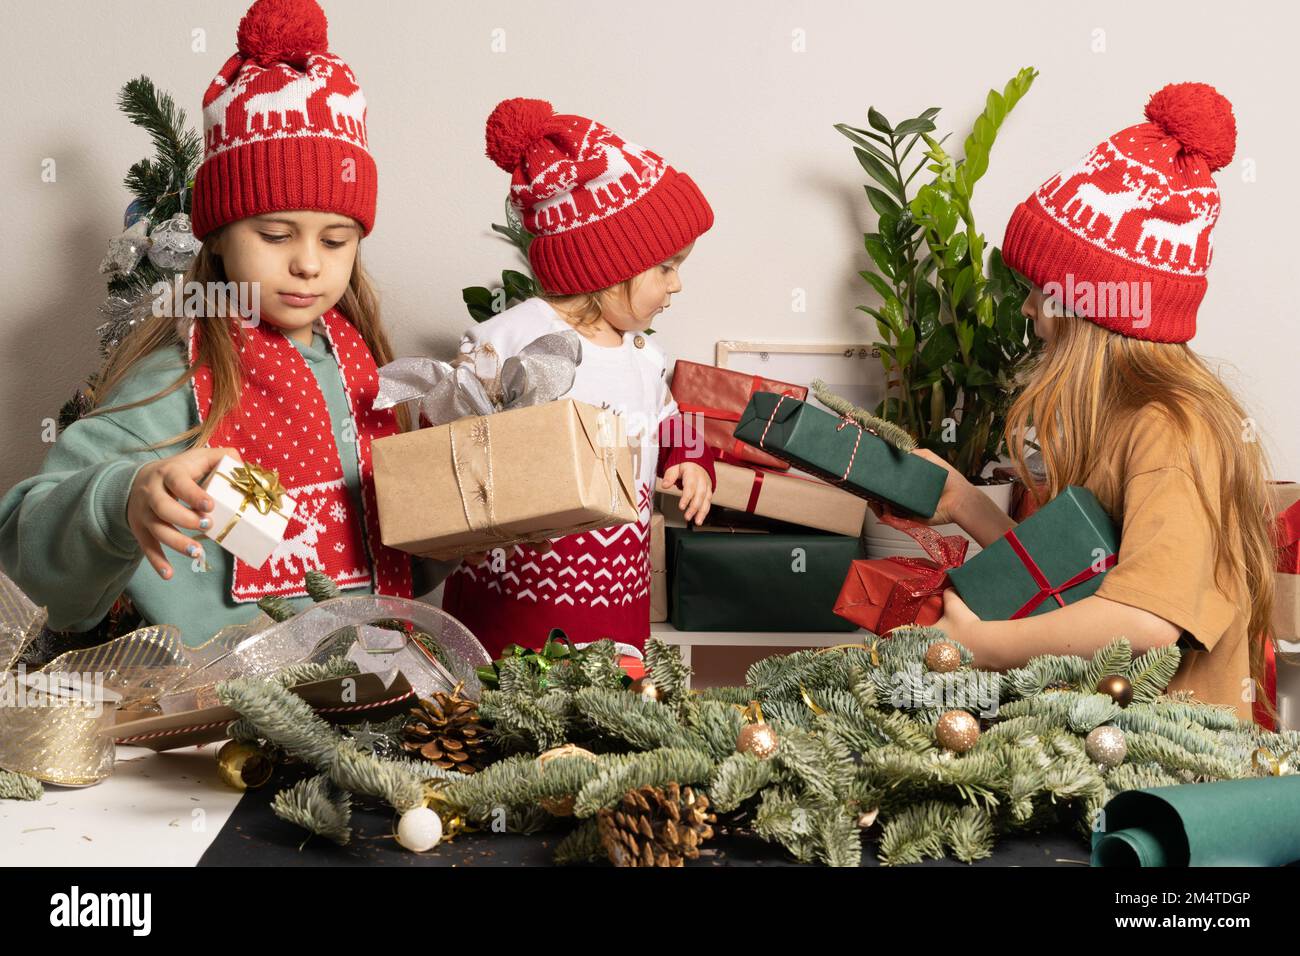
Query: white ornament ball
[{"x": 419, "y": 829}]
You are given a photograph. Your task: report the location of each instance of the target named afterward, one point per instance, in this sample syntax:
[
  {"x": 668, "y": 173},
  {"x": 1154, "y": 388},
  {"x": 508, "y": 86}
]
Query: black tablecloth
[{"x": 255, "y": 836}]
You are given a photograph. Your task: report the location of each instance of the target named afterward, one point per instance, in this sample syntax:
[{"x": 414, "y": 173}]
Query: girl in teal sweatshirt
[{"x": 284, "y": 195}]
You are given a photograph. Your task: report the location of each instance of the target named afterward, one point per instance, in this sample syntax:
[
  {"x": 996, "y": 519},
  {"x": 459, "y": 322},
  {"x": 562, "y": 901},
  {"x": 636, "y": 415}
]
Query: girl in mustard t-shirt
[{"x": 1116, "y": 248}]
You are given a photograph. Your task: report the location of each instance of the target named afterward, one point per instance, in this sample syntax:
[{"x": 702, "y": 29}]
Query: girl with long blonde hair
[{"x": 1116, "y": 248}]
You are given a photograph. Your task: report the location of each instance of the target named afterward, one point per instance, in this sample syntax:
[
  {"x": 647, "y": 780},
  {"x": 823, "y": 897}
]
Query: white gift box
[{"x": 238, "y": 524}]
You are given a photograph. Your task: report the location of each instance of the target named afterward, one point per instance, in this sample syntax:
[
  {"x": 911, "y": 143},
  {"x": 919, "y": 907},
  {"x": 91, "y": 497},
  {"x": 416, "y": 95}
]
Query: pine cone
[
  {"x": 655, "y": 827},
  {"x": 446, "y": 731}
]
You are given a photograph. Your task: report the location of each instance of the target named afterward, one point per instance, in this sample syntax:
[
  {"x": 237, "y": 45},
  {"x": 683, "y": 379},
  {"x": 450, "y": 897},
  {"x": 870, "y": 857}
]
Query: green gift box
[
  {"x": 1056, "y": 556},
  {"x": 723, "y": 580},
  {"x": 841, "y": 452}
]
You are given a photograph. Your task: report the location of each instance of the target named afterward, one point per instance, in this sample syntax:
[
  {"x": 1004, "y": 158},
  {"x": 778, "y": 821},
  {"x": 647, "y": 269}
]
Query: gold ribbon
[
  {"x": 753, "y": 714},
  {"x": 871, "y": 648},
  {"x": 260, "y": 487},
  {"x": 1263, "y": 755}
]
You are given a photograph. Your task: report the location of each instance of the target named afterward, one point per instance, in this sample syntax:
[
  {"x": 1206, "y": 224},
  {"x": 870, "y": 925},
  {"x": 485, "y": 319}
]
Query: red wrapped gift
[
  {"x": 720, "y": 395},
  {"x": 1286, "y": 599},
  {"x": 885, "y": 593}
]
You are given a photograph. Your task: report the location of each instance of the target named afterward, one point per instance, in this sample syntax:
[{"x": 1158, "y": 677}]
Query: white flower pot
[{"x": 882, "y": 541}]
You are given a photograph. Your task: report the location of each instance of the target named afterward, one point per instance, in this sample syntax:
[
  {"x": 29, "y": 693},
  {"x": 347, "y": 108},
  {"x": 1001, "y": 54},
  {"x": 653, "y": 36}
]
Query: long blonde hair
[
  {"x": 219, "y": 350},
  {"x": 1081, "y": 392}
]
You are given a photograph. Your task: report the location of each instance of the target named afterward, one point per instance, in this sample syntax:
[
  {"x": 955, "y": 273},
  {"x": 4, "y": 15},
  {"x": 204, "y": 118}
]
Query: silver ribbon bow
[{"x": 542, "y": 372}]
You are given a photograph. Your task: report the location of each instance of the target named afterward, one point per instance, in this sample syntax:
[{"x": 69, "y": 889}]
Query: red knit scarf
[{"x": 282, "y": 423}]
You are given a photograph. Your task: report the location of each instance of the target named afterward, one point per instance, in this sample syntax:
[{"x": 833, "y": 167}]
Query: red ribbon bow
[
  {"x": 1045, "y": 588},
  {"x": 906, "y": 596}
]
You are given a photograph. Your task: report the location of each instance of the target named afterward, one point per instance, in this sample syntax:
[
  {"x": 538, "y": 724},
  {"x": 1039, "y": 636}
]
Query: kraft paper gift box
[
  {"x": 841, "y": 452},
  {"x": 488, "y": 481},
  {"x": 250, "y": 509},
  {"x": 723, "y": 580},
  {"x": 658, "y": 571},
  {"x": 794, "y": 499},
  {"x": 719, "y": 396},
  {"x": 1058, "y": 555},
  {"x": 1286, "y": 595}
]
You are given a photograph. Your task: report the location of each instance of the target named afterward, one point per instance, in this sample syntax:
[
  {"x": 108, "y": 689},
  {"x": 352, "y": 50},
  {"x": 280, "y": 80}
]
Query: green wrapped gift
[
  {"x": 1056, "y": 556},
  {"x": 841, "y": 451},
  {"x": 722, "y": 580}
]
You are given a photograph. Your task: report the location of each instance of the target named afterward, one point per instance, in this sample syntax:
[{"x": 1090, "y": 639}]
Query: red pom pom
[
  {"x": 514, "y": 126},
  {"x": 283, "y": 31},
  {"x": 1199, "y": 117}
]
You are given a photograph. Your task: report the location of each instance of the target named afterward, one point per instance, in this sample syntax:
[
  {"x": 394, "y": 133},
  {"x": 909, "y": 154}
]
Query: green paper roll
[{"x": 1252, "y": 822}]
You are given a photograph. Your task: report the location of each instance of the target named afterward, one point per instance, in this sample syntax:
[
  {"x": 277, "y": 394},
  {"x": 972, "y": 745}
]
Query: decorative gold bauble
[
  {"x": 758, "y": 740},
  {"x": 1106, "y": 746},
  {"x": 560, "y": 806},
  {"x": 243, "y": 766},
  {"x": 957, "y": 731},
  {"x": 1117, "y": 688},
  {"x": 648, "y": 689},
  {"x": 942, "y": 657}
]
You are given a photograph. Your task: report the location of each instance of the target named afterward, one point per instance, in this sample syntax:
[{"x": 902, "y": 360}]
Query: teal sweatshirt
[{"x": 64, "y": 537}]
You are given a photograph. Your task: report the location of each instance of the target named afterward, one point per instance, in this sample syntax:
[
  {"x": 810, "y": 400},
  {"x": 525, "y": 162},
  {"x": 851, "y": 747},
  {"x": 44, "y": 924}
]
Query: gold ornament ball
[
  {"x": 757, "y": 740},
  {"x": 957, "y": 731},
  {"x": 243, "y": 766},
  {"x": 942, "y": 657},
  {"x": 647, "y": 689},
  {"x": 560, "y": 806},
  {"x": 1117, "y": 688},
  {"x": 1106, "y": 746}
]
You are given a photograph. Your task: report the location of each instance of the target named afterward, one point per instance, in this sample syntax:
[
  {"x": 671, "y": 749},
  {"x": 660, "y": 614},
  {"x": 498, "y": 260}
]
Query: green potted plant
[{"x": 952, "y": 338}]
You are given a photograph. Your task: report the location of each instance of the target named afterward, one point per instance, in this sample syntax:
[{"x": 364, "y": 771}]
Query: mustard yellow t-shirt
[{"x": 1166, "y": 562}]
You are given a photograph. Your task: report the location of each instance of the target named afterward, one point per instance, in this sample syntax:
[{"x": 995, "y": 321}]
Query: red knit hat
[
  {"x": 1137, "y": 209},
  {"x": 602, "y": 209},
  {"x": 284, "y": 125}
]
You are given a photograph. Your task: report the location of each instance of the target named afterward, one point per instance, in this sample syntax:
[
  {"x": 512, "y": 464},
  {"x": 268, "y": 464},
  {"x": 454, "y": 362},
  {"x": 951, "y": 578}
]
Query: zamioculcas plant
[{"x": 952, "y": 336}]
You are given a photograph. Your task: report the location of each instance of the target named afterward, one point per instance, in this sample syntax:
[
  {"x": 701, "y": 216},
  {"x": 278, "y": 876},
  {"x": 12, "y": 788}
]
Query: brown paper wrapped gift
[
  {"x": 658, "y": 571},
  {"x": 797, "y": 499},
  {"x": 488, "y": 481}
]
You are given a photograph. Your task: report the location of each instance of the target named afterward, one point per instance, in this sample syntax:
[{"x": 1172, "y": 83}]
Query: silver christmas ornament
[
  {"x": 1106, "y": 746},
  {"x": 172, "y": 244},
  {"x": 125, "y": 252}
]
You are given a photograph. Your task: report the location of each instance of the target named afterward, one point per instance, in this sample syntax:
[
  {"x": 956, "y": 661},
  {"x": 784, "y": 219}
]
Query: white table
[{"x": 156, "y": 809}]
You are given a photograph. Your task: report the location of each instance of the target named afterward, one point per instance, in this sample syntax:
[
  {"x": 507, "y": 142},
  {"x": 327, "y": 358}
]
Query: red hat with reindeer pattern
[
  {"x": 1134, "y": 217},
  {"x": 601, "y": 209},
  {"x": 284, "y": 125}
]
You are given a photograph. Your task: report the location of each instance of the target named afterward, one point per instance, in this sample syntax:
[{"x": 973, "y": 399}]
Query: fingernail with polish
[
  {"x": 205, "y": 523},
  {"x": 192, "y": 551}
]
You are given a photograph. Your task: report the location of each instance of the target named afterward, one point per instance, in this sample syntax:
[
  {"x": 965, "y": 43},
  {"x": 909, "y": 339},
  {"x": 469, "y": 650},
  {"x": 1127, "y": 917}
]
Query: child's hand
[
  {"x": 955, "y": 490},
  {"x": 697, "y": 490},
  {"x": 153, "y": 511}
]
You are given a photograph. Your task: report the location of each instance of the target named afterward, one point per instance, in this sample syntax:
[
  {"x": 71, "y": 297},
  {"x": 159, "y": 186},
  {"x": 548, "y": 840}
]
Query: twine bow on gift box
[
  {"x": 259, "y": 487},
  {"x": 453, "y": 394}
]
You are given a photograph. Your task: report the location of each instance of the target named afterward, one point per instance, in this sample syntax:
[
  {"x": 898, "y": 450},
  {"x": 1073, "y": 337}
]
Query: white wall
[{"x": 716, "y": 88}]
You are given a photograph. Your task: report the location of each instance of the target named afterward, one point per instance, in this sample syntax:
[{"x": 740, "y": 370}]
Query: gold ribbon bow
[{"x": 260, "y": 488}]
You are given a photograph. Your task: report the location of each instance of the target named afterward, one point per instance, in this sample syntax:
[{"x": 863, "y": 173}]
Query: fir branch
[
  {"x": 738, "y": 778},
  {"x": 155, "y": 112},
  {"x": 1114, "y": 658},
  {"x": 310, "y": 804},
  {"x": 281, "y": 717},
  {"x": 19, "y": 786},
  {"x": 582, "y": 845},
  {"x": 893, "y": 434},
  {"x": 970, "y": 834},
  {"x": 916, "y": 833},
  {"x": 644, "y": 724},
  {"x": 664, "y": 666},
  {"x": 654, "y": 768},
  {"x": 1151, "y": 673}
]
